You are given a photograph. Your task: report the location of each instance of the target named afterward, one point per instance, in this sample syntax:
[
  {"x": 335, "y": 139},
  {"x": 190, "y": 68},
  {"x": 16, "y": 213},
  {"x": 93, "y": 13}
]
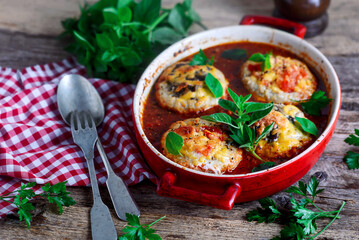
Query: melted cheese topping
[
  {"x": 206, "y": 147},
  {"x": 286, "y": 136},
  {"x": 181, "y": 88},
  {"x": 287, "y": 81}
]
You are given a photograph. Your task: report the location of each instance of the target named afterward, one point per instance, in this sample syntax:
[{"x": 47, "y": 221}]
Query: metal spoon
[{"x": 77, "y": 93}]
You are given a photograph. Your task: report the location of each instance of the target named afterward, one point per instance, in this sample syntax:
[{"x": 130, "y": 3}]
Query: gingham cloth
[{"x": 36, "y": 144}]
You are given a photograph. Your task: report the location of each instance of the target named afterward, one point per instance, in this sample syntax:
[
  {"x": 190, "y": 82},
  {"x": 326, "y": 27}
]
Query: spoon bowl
[{"x": 77, "y": 93}]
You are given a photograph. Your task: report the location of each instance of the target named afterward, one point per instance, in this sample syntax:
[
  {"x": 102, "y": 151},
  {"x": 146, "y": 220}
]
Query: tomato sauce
[{"x": 157, "y": 120}]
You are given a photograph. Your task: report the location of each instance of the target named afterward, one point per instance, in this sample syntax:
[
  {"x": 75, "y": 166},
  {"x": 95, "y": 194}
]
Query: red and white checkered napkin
[{"x": 36, "y": 144}]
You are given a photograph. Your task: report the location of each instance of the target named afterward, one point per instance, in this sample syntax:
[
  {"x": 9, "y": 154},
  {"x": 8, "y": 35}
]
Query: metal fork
[{"x": 84, "y": 134}]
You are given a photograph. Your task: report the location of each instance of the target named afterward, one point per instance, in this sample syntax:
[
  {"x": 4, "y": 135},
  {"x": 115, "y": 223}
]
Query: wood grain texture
[{"x": 28, "y": 37}]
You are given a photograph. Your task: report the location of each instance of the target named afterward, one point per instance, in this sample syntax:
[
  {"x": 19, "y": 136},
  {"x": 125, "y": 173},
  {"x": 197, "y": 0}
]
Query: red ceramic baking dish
[{"x": 222, "y": 191}]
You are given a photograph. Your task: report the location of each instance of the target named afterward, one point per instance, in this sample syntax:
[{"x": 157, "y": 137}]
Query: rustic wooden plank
[{"x": 42, "y": 17}]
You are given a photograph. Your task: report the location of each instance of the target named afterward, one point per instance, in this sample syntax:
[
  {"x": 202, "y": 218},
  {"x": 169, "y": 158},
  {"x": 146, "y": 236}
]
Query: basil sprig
[
  {"x": 264, "y": 59},
  {"x": 201, "y": 59},
  {"x": 117, "y": 39},
  {"x": 245, "y": 114},
  {"x": 174, "y": 143},
  {"x": 307, "y": 125}
]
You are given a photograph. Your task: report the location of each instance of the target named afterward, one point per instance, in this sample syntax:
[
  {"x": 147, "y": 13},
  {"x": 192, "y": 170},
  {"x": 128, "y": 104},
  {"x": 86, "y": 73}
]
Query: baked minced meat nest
[
  {"x": 181, "y": 88},
  {"x": 206, "y": 146},
  {"x": 287, "y": 81},
  {"x": 287, "y": 138}
]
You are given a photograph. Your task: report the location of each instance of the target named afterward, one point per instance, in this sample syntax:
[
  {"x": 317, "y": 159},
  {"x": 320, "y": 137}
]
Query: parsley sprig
[
  {"x": 317, "y": 101},
  {"x": 301, "y": 221},
  {"x": 116, "y": 39},
  {"x": 352, "y": 158},
  {"x": 139, "y": 231},
  {"x": 245, "y": 114},
  {"x": 53, "y": 193}
]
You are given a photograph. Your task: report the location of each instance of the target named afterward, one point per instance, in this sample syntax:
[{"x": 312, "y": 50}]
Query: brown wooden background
[{"x": 28, "y": 31}]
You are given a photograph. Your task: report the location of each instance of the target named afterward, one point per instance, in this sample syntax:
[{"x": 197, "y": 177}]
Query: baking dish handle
[
  {"x": 166, "y": 187},
  {"x": 298, "y": 29}
]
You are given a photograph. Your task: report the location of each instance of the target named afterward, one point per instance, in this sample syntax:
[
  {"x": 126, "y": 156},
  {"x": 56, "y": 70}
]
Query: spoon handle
[{"x": 121, "y": 197}]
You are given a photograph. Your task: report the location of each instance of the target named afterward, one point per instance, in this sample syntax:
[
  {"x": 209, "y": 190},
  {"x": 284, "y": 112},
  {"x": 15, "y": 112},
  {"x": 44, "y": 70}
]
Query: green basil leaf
[
  {"x": 214, "y": 85},
  {"x": 263, "y": 166},
  {"x": 307, "y": 125},
  {"x": 130, "y": 58},
  {"x": 82, "y": 41},
  {"x": 174, "y": 143},
  {"x": 110, "y": 15},
  {"x": 107, "y": 57},
  {"x": 104, "y": 41},
  {"x": 266, "y": 130},
  {"x": 147, "y": 11},
  {"x": 177, "y": 19},
  {"x": 124, "y": 14},
  {"x": 256, "y": 116},
  {"x": 257, "y": 57},
  {"x": 267, "y": 62},
  {"x": 123, "y": 3},
  {"x": 256, "y": 106},
  {"x": 234, "y": 54},
  {"x": 201, "y": 59},
  {"x": 165, "y": 36},
  {"x": 100, "y": 65},
  {"x": 228, "y": 105}
]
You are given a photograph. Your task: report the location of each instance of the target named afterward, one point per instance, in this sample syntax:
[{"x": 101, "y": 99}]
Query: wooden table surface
[{"x": 28, "y": 31}]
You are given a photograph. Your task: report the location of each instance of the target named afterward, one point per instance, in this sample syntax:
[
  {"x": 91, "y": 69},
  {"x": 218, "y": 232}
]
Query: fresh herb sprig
[
  {"x": 116, "y": 39},
  {"x": 314, "y": 105},
  {"x": 264, "y": 59},
  {"x": 53, "y": 193},
  {"x": 245, "y": 114},
  {"x": 301, "y": 221},
  {"x": 201, "y": 59},
  {"x": 138, "y": 231},
  {"x": 352, "y": 158}
]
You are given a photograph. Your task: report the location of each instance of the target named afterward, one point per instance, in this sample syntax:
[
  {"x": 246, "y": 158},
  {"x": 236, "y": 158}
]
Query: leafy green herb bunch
[{"x": 116, "y": 39}]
